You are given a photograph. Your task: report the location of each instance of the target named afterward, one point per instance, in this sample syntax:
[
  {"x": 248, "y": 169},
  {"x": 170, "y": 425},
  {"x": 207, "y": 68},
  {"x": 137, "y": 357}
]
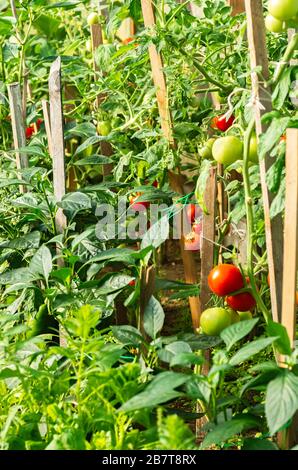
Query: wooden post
[
  {"x": 57, "y": 125},
  {"x": 18, "y": 127},
  {"x": 290, "y": 236},
  {"x": 158, "y": 75},
  {"x": 58, "y": 151},
  {"x": 47, "y": 123},
  {"x": 207, "y": 250},
  {"x": 262, "y": 96},
  {"x": 190, "y": 269},
  {"x": 238, "y": 6}
]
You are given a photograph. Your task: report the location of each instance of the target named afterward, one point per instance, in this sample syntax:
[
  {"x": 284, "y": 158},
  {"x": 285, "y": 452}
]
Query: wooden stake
[
  {"x": 176, "y": 181},
  {"x": 57, "y": 126},
  {"x": 262, "y": 97},
  {"x": 189, "y": 263},
  {"x": 207, "y": 250},
  {"x": 47, "y": 123},
  {"x": 58, "y": 151},
  {"x": 290, "y": 236},
  {"x": 96, "y": 41},
  {"x": 158, "y": 75},
  {"x": 18, "y": 127},
  {"x": 238, "y": 6}
]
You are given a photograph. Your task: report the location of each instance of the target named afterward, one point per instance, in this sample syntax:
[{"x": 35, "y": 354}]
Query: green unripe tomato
[
  {"x": 283, "y": 9},
  {"x": 92, "y": 18},
  {"x": 104, "y": 128},
  {"x": 235, "y": 318},
  {"x": 214, "y": 320},
  {"x": 245, "y": 316},
  {"x": 274, "y": 25},
  {"x": 206, "y": 151},
  {"x": 253, "y": 149},
  {"x": 227, "y": 150},
  {"x": 195, "y": 101}
]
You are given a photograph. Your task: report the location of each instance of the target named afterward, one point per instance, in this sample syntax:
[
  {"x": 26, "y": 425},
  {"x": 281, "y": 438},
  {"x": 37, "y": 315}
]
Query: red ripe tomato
[
  {"x": 39, "y": 123},
  {"x": 191, "y": 212},
  {"x": 155, "y": 183},
  {"x": 132, "y": 283},
  {"x": 225, "y": 279},
  {"x": 214, "y": 122},
  {"x": 29, "y": 132},
  {"x": 192, "y": 242},
  {"x": 241, "y": 302},
  {"x": 224, "y": 124},
  {"x": 138, "y": 206}
]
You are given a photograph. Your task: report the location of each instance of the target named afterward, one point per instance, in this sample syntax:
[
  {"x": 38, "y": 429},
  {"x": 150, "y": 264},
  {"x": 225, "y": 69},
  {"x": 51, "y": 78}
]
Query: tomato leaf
[
  {"x": 153, "y": 317},
  {"x": 237, "y": 331},
  {"x": 250, "y": 350},
  {"x": 224, "y": 431},
  {"x": 160, "y": 390},
  {"x": 281, "y": 400},
  {"x": 283, "y": 343}
]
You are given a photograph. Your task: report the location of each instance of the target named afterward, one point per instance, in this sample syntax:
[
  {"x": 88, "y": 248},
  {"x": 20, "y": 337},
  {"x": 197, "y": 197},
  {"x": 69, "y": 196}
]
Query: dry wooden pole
[
  {"x": 158, "y": 75},
  {"x": 57, "y": 125},
  {"x": 238, "y": 6},
  {"x": 58, "y": 154},
  {"x": 47, "y": 124},
  {"x": 96, "y": 41},
  {"x": 18, "y": 127},
  {"x": 290, "y": 236},
  {"x": 207, "y": 250},
  {"x": 190, "y": 269},
  {"x": 262, "y": 96}
]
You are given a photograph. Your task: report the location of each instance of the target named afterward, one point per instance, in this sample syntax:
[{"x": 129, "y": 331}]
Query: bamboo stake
[
  {"x": 262, "y": 97},
  {"x": 190, "y": 269},
  {"x": 18, "y": 127}
]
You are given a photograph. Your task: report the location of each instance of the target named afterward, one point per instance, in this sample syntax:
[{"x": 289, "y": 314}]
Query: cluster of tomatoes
[
  {"x": 224, "y": 280},
  {"x": 31, "y": 129},
  {"x": 227, "y": 150},
  {"x": 283, "y": 14}
]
